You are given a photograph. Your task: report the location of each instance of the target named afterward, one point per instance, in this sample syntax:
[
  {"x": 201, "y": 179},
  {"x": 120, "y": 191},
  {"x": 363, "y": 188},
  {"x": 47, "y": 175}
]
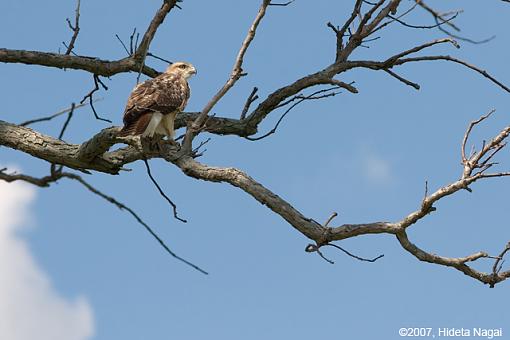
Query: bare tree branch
[
  {"x": 66, "y": 123},
  {"x": 436, "y": 14},
  {"x": 162, "y": 193},
  {"x": 47, "y": 180},
  {"x": 457, "y": 61},
  {"x": 324, "y": 93},
  {"x": 355, "y": 256},
  {"x": 283, "y": 4},
  {"x": 316, "y": 248},
  {"x": 251, "y": 98},
  {"x": 236, "y": 73},
  {"x": 75, "y": 28},
  {"x": 440, "y": 19},
  {"x": 468, "y": 131},
  {"x": 159, "y": 58},
  {"x": 55, "y": 115},
  {"x": 402, "y": 79},
  {"x": 93, "y": 65},
  {"x": 457, "y": 263},
  {"x": 141, "y": 52},
  {"x": 496, "y": 268},
  {"x": 90, "y": 95}
]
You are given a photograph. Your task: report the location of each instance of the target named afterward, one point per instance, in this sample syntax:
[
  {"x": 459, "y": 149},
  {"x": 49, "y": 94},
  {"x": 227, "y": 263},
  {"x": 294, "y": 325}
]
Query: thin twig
[
  {"x": 324, "y": 257},
  {"x": 133, "y": 41},
  {"x": 162, "y": 193},
  {"x": 55, "y": 176},
  {"x": 75, "y": 29},
  {"x": 469, "y": 40},
  {"x": 40, "y": 182},
  {"x": 90, "y": 95},
  {"x": 395, "y": 18},
  {"x": 196, "y": 150},
  {"x": 496, "y": 268},
  {"x": 159, "y": 58},
  {"x": 45, "y": 181},
  {"x": 425, "y": 194},
  {"x": 66, "y": 123},
  {"x": 333, "y": 215},
  {"x": 472, "y": 124},
  {"x": 402, "y": 79},
  {"x": 54, "y": 169},
  {"x": 50, "y": 117},
  {"x": 439, "y": 18},
  {"x": 299, "y": 99},
  {"x": 397, "y": 57},
  {"x": 123, "y": 45},
  {"x": 281, "y": 3},
  {"x": 311, "y": 248},
  {"x": 354, "y": 256},
  {"x": 436, "y": 14},
  {"x": 251, "y": 98},
  {"x": 139, "y": 220},
  {"x": 455, "y": 60},
  {"x": 403, "y": 23}
]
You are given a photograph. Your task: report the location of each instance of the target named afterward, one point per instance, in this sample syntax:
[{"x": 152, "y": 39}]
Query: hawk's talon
[{"x": 172, "y": 142}]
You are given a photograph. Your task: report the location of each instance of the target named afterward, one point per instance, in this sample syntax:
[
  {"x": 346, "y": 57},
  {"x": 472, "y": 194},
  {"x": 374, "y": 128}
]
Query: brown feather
[
  {"x": 136, "y": 127},
  {"x": 142, "y": 123}
]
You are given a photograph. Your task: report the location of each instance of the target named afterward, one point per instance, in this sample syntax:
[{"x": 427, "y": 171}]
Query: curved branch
[
  {"x": 304, "y": 225},
  {"x": 54, "y": 177},
  {"x": 457, "y": 61},
  {"x": 275, "y": 98},
  {"x": 241, "y": 180},
  {"x": 457, "y": 263}
]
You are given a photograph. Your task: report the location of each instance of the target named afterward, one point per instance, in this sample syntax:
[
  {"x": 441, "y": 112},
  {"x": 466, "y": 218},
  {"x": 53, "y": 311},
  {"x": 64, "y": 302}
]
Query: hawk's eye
[{"x": 183, "y": 66}]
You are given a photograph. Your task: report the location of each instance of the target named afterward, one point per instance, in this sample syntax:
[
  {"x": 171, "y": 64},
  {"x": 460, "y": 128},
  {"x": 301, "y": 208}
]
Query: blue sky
[{"x": 366, "y": 156}]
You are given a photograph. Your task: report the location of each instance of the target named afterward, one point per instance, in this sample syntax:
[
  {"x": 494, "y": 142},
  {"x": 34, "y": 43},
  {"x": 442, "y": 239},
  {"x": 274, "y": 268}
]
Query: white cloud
[
  {"x": 375, "y": 168},
  {"x": 30, "y": 308}
]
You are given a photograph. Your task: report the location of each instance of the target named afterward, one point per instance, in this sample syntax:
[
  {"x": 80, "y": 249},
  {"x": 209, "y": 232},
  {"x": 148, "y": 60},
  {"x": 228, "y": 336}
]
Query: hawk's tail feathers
[
  {"x": 135, "y": 127},
  {"x": 125, "y": 131}
]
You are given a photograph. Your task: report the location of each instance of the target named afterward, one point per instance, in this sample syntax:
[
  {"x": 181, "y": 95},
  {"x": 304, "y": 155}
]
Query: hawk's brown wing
[{"x": 166, "y": 93}]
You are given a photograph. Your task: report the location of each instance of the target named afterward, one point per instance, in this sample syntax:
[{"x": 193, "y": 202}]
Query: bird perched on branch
[{"x": 153, "y": 105}]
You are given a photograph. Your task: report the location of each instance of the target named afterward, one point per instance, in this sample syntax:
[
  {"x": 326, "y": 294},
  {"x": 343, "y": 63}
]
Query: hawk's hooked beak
[{"x": 193, "y": 71}]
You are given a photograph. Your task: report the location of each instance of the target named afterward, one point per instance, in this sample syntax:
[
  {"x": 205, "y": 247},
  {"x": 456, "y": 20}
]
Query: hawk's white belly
[{"x": 161, "y": 124}]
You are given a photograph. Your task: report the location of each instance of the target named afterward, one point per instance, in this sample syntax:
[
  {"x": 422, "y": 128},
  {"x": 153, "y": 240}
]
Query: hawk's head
[{"x": 181, "y": 68}]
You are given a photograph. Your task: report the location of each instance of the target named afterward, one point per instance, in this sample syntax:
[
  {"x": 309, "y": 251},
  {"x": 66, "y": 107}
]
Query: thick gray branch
[
  {"x": 93, "y": 65},
  {"x": 306, "y": 226},
  {"x": 51, "y": 149},
  {"x": 158, "y": 19},
  {"x": 218, "y": 125}
]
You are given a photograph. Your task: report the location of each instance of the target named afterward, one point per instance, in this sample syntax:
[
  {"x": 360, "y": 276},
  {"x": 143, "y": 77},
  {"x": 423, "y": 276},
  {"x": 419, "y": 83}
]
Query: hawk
[{"x": 153, "y": 104}]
